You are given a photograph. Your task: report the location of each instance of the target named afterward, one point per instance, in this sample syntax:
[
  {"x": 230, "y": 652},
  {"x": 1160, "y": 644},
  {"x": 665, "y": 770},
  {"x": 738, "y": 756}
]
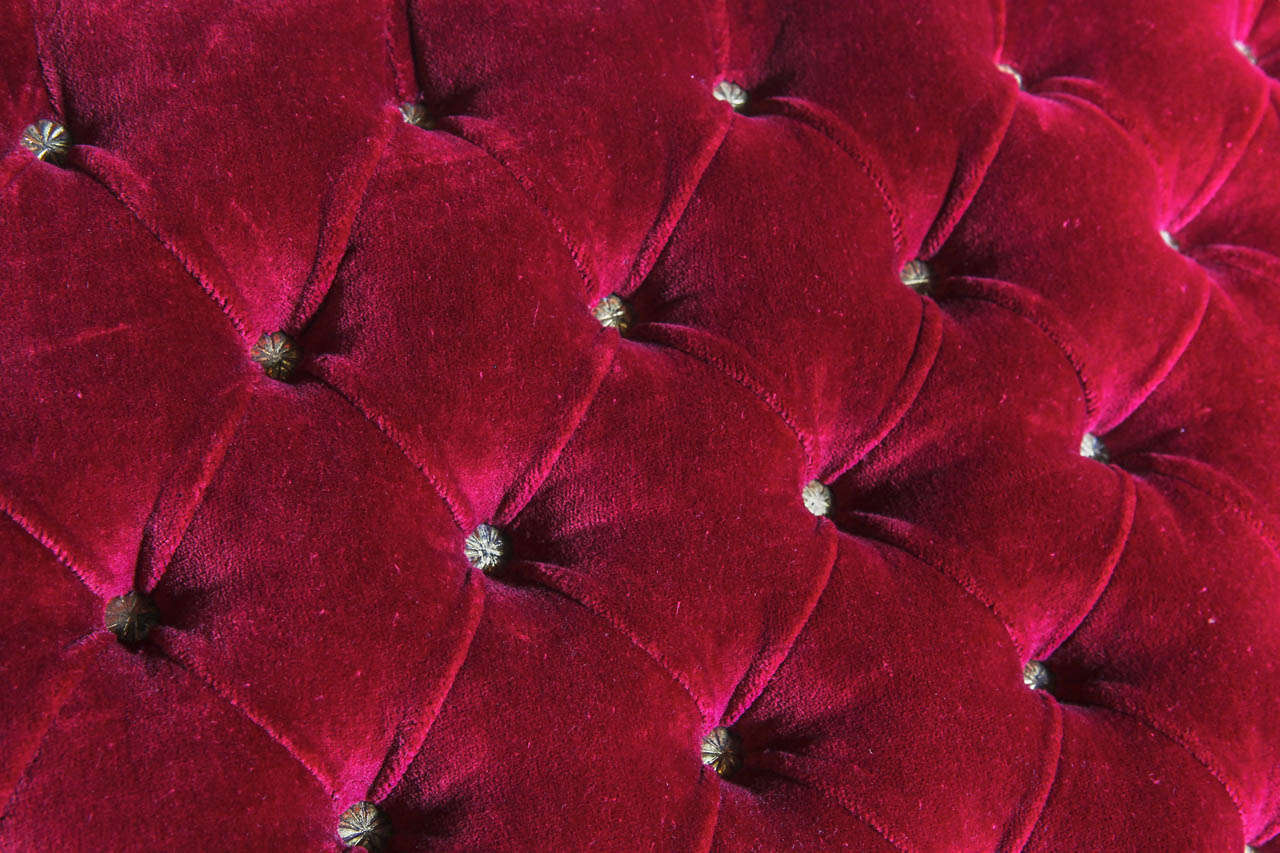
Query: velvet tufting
[{"x": 643, "y": 425}]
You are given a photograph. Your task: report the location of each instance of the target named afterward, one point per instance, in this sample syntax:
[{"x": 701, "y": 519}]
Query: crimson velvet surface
[{"x": 621, "y": 281}]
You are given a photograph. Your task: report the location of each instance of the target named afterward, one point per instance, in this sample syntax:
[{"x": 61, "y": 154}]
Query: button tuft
[
  {"x": 1092, "y": 447},
  {"x": 485, "y": 548},
  {"x": 277, "y": 353},
  {"x": 722, "y": 751},
  {"x": 1245, "y": 51},
  {"x": 130, "y": 617},
  {"x": 416, "y": 114},
  {"x": 816, "y": 497},
  {"x": 47, "y": 140},
  {"x": 1169, "y": 240},
  {"x": 731, "y": 93},
  {"x": 613, "y": 313},
  {"x": 365, "y": 825},
  {"x": 916, "y": 275},
  {"x": 1036, "y": 675}
]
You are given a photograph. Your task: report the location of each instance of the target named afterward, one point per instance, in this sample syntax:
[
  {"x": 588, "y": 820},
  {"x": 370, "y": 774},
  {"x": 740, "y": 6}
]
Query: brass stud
[
  {"x": 47, "y": 140},
  {"x": 365, "y": 825},
  {"x": 731, "y": 93},
  {"x": 1091, "y": 447},
  {"x": 916, "y": 275},
  {"x": 816, "y": 497},
  {"x": 416, "y": 114},
  {"x": 1036, "y": 675},
  {"x": 722, "y": 751},
  {"x": 485, "y": 547},
  {"x": 613, "y": 313},
  {"x": 130, "y": 617},
  {"x": 277, "y": 353}
]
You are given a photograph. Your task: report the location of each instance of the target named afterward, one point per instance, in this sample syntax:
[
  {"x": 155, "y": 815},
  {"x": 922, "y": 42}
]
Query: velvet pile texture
[{"x": 1092, "y": 189}]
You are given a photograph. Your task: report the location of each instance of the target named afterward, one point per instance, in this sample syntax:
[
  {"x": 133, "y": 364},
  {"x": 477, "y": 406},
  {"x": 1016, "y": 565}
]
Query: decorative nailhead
[
  {"x": 47, "y": 140},
  {"x": 277, "y": 353},
  {"x": 1036, "y": 675},
  {"x": 731, "y": 93},
  {"x": 816, "y": 497},
  {"x": 1092, "y": 447},
  {"x": 130, "y": 617},
  {"x": 415, "y": 114},
  {"x": 613, "y": 313},
  {"x": 1012, "y": 72},
  {"x": 365, "y": 825},
  {"x": 916, "y": 275},
  {"x": 722, "y": 752},
  {"x": 485, "y": 548},
  {"x": 1169, "y": 240}
]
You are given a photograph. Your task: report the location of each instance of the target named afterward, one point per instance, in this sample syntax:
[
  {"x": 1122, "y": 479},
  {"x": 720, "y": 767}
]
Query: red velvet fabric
[{"x": 241, "y": 168}]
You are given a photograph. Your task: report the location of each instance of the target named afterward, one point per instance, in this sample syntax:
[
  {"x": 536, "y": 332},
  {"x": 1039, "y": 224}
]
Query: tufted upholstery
[{"x": 872, "y": 406}]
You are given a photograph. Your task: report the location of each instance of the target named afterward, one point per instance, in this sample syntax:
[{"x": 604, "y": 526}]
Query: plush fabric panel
[{"x": 519, "y": 542}]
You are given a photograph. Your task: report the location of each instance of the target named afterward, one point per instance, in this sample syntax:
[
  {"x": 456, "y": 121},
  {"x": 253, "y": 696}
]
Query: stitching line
[
  {"x": 531, "y": 479},
  {"x": 566, "y": 583},
  {"x": 651, "y": 250},
  {"x": 450, "y": 500},
  {"x": 1061, "y": 632},
  {"x": 808, "y": 114},
  {"x": 1057, "y": 735},
  {"x": 752, "y": 690},
  {"x": 1115, "y": 694},
  {"x": 575, "y": 252},
  {"x": 897, "y": 408},
  {"x": 982, "y": 291},
  {"x": 390, "y": 773},
  {"x": 876, "y": 532},
  {"x": 93, "y": 168},
  {"x": 182, "y": 659},
  {"x": 664, "y": 334},
  {"x": 36, "y": 533}
]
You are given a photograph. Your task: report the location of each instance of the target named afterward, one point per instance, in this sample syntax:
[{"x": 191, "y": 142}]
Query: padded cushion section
[
  {"x": 1093, "y": 188},
  {"x": 962, "y": 494},
  {"x": 714, "y": 282},
  {"x": 918, "y": 669},
  {"x": 50, "y": 618},
  {"x": 403, "y": 588},
  {"x": 656, "y": 129},
  {"x": 1219, "y": 580},
  {"x": 597, "y": 536},
  {"x": 151, "y": 716},
  {"x": 320, "y": 114},
  {"x": 548, "y": 681},
  {"x": 116, "y": 350},
  {"x": 927, "y": 138},
  {"x": 401, "y": 337},
  {"x": 1067, "y": 48},
  {"x": 1123, "y": 776}
]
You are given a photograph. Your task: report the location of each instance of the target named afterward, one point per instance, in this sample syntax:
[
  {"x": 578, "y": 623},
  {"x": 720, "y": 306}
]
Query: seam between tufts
[
  {"x": 49, "y": 544},
  {"x": 808, "y": 114},
  {"x": 183, "y": 660},
  {"x": 558, "y": 580},
  {"x": 447, "y": 497},
  {"x": 575, "y": 251}
]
